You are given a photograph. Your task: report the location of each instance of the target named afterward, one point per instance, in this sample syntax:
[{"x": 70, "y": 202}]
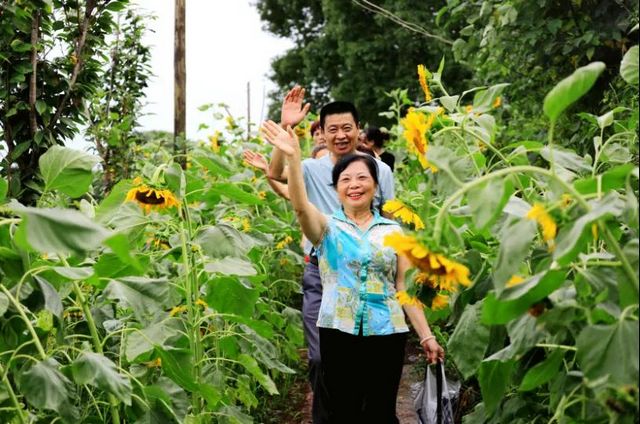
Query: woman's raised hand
[
  {"x": 287, "y": 141},
  {"x": 256, "y": 159}
]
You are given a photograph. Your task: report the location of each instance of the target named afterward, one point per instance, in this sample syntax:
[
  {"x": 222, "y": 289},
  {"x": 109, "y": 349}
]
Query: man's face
[{"x": 341, "y": 133}]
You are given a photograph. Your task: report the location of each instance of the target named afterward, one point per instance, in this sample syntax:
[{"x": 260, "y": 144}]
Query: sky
[{"x": 225, "y": 48}]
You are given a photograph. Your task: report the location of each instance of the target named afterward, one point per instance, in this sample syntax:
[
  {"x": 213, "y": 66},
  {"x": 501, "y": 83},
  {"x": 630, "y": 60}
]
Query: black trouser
[{"x": 362, "y": 376}]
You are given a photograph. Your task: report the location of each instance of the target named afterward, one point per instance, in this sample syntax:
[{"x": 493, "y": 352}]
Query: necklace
[{"x": 360, "y": 222}]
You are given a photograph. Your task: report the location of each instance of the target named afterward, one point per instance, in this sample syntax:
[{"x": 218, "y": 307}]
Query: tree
[
  {"x": 347, "y": 51},
  {"x": 52, "y": 65}
]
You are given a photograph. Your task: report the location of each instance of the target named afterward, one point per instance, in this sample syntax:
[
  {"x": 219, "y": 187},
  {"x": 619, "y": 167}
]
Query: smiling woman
[{"x": 361, "y": 321}]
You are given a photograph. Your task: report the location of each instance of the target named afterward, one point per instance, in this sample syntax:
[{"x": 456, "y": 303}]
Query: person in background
[
  {"x": 374, "y": 139},
  {"x": 361, "y": 323},
  {"x": 316, "y": 133},
  {"x": 339, "y": 125},
  {"x": 258, "y": 161}
]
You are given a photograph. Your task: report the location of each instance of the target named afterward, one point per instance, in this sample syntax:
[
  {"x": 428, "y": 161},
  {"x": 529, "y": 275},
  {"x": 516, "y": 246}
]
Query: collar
[{"x": 377, "y": 218}]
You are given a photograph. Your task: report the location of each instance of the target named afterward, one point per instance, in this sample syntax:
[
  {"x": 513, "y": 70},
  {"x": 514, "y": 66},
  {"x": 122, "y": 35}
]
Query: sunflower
[
  {"x": 549, "y": 228},
  {"x": 400, "y": 210},
  {"x": 497, "y": 102},
  {"x": 438, "y": 271},
  {"x": 423, "y": 74},
  {"x": 149, "y": 198},
  {"x": 214, "y": 141},
  {"x": 416, "y": 126},
  {"x": 284, "y": 242},
  {"x": 406, "y": 299},
  {"x": 441, "y": 301}
]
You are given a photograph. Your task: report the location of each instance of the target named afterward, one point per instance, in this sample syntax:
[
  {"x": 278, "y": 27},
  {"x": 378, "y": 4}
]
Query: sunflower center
[{"x": 149, "y": 197}]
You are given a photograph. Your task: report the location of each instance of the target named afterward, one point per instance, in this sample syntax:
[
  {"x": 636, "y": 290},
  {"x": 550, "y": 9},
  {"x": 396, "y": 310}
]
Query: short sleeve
[{"x": 387, "y": 186}]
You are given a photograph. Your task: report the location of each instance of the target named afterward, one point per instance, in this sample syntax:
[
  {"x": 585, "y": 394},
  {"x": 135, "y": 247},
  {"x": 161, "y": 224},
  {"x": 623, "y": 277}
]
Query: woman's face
[
  {"x": 356, "y": 186},
  {"x": 318, "y": 137}
]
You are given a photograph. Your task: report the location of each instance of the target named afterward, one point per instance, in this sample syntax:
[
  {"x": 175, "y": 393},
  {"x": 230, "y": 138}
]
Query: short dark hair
[
  {"x": 314, "y": 126},
  {"x": 376, "y": 135},
  {"x": 347, "y": 160},
  {"x": 335, "y": 108}
]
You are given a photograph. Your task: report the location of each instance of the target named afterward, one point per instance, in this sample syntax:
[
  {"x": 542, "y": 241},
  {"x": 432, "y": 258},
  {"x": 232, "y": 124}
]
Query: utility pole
[
  {"x": 248, "y": 110},
  {"x": 179, "y": 87}
]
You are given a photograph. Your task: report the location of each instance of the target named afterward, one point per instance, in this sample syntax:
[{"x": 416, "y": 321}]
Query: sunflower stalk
[
  {"x": 191, "y": 294},
  {"x": 13, "y": 397},
  {"x": 95, "y": 337}
]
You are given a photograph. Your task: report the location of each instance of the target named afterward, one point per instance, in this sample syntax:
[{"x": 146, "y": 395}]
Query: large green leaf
[
  {"x": 543, "y": 372},
  {"x": 252, "y": 366},
  {"x": 515, "y": 243},
  {"x": 523, "y": 335},
  {"x": 121, "y": 247},
  {"x": 145, "y": 296},
  {"x": 469, "y": 341},
  {"x": 609, "y": 350},
  {"x": 229, "y": 295},
  {"x": 573, "y": 239},
  {"x": 223, "y": 240},
  {"x": 494, "y": 378},
  {"x": 143, "y": 341},
  {"x": 67, "y": 170},
  {"x": 58, "y": 230},
  {"x": 612, "y": 179},
  {"x": 45, "y": 387},
  {"x": 629, "y": 66},
  {"x": 52, "y": 301},
  {"x": 99, "y": 371},
  {"x": 487, "y": 201},
  {"x": 168, "y": 394},
  {"x": 235, "y": 193},
  {"x": 231, "y": 266},
  {"x": 570, "y": 89},
  {"x": 514, "y": 301},
  {"x": 565, "y": 158}
]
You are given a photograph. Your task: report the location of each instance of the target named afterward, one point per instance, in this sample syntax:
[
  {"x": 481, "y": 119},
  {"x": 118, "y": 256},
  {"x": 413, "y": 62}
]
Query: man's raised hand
[
  {"x": 286, "y": 141},
  {"x": 292, "y": 112}
]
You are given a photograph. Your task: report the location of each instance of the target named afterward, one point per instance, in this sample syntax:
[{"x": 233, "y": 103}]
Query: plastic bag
[{"x": 437, "y": 397}]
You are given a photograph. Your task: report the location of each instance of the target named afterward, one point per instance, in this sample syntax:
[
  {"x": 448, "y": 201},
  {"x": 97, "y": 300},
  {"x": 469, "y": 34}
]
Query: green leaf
[
  {"x": 449, "y": 102},
  {"x": 4, "y": 188},
  {"x": 570, "y": 89},
  {"x": 483, "y": 100},
  {"x": 235, "y": 193},
  {"x": 543, "y": 372},
  {"x": 523, "y": 335},
  {"x": 144, "y": 340},
  {"x": 176, "y": 182},
  {"x": 99, "y": 371},
  {"x": 58, "y": 230},
  {"x": 515, "y": 243},
  {"x": 45, "y": 387},
  {"x": 494, "y": 378},
  {"x": 566, "y": 158},
  {"x": 20, "y": 46},
  {"x": 609, "y": 350},
  {"x": 469, "y": 341},
  {"x": 52, "y": 301},
  {"x": 629, "y": 66},
  {"x": 230, "y": 414},
  {"x": 4, "y": 304},
  {"x": 73, "y": 272},
  {"x": 223, "y": 240},
  {"x": 487, "y": 201},
  {"x": 572, "y": 240},
  {"x": 229, "y": 295},
  {"x": 67, "y": 170},
  {"x": 170, "y": 395},
  {"x": 231, "y": 266},
  {"x": 251, "y": 365},
  {"x": 612, "y": 179},
  {"x": 515, "y": 301},
  {"x": 41, "y": 106},
  {"x": 120, "y": 245},
  {"x": 214, "y": 167},
  {"x": 146, "y": 296}
]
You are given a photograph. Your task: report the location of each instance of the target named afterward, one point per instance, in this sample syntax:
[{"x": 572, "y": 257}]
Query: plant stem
[
  {"x": 191, "y": 293},
  {"x": 615, "y": 246},
  {"x": 97, "y": 343},
  {"x": 556, "y": 346},
  {"x": 26, "y": 320},
  {"x": 12, "y": 396},
  {"x": 502, "y": 172}
]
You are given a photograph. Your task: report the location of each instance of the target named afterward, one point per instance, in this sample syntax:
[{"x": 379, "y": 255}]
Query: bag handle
[{"x": 439, "y": 391}]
